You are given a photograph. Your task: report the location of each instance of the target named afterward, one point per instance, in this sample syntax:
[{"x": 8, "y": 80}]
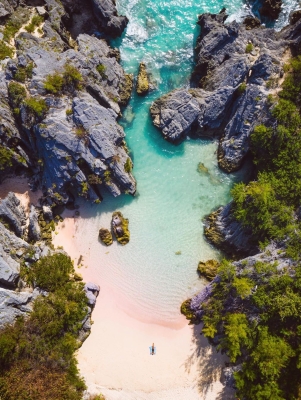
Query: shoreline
[{"x": 115, "y": 359}]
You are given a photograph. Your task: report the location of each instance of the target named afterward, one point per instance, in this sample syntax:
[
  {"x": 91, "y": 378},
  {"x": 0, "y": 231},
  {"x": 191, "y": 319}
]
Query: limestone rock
[
  {"x": 295, "y": 16},
  {"x": 120, "y": 227},
  {"x": 110, "y": 21},
  {"x": 142, "y": 80},
  {"x": 13, "y": 213},
  {"x": 271, "y": 8},
  {"x": 216, "y": 106},
  {"x": 34, "y": 230},
  {"x": 227, "y": 234},
  {"x": 105, "y": 236},
  {"x": 92, "y": 291},
  {"x": 5, "y": 9},
  {"x": 208, "y": 269},
  {"x": 251, "y": 22}
]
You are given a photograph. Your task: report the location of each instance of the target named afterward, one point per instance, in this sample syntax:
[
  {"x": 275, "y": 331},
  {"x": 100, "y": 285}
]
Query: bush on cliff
[
  {"x": 261, "y": 330},
  {"x": 37, "y": 353},
  {"x": 269, "y": 205},
  {"x": 57, "y": 82}
]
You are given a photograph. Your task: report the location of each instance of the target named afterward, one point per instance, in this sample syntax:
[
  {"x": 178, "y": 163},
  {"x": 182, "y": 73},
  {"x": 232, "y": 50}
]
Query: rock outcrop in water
[
  {"x": 66, "y": 136},
  {"x": 120, "y": 227},
  {"x": 142, "y": 80},
  {"x": 105, "y": 236},
  {"x": 236, "y": 69}
]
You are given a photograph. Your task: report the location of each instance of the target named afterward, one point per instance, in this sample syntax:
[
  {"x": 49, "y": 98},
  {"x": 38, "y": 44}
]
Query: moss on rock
[
  {"x": 142, "y": 81},
  {"x": 125, "y": 89},
  {"x": 208, "y": 269},
  {"x": 186, "y": 310},
  {"x": 120, "y": 228},
  {"x": 105, "y": 236},
  {"x": 211, "y": 231}
]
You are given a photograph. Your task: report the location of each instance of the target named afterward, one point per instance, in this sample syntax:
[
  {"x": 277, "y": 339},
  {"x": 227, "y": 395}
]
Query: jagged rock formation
[
  {"x": 192, "y": 308},
  {"x": 208, "y": 269},
  {"x": 15, "y": 298},
  {"x": 271, "y": 8},
  {"x": 74, "y": 146},
  {"x": 236, "y": 69},
  {"x": 227, "y": 234}
]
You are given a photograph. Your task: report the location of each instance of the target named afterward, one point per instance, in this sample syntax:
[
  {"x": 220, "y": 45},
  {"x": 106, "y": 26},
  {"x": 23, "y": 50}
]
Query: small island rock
[
  {"x": 208, "y": 269},
  {"x": 120, "y": 228},
  {"x": 105, "y": 236},
  {"x": 142, "y": 81}
]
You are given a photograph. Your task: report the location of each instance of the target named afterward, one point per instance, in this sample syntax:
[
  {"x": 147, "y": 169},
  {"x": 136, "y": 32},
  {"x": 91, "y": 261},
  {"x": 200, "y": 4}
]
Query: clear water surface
[{"x": 156, "y": 271}]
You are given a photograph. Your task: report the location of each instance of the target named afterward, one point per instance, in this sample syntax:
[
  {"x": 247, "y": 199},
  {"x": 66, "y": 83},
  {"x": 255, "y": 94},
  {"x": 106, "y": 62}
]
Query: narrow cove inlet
[
  {"x": 144, "y": 283},
  {"x": 83, "y": 152}
]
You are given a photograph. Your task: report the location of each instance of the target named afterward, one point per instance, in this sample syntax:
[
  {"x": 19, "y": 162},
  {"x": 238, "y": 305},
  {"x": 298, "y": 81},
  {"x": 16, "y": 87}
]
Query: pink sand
[{"x": 115, "y": 359}]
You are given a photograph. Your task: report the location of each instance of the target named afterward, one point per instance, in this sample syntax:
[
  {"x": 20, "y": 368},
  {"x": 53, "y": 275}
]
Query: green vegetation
[
  {"x": 54, "y": 83},
  {"x": 37, "y": 106},
  {"x": 6, "y": 158},
  {"x": 268, "y": 205},
  {"x": 249, "y": 48},
  {"x": 81, "y": 132},
  {"x": 37, "y": 353},
  {"x": 5, "y": 50},
  {"x": 241, "y": 88},
  {"x": 36, "y": 21},
  {"x": 121, "y": 229},
  {"x": 263, "y": 326},
  {"x": 128, "y": 166},
  {"x": 16, "y": 93},
  {"x": 101, "y": 69},
  {"x": 208, "y": 269},
  {"x": 255, "y": 311},
  {"x": 57, "y": 82},
  {"x": 69, "y": 112},
  {"x": 24, "y": 73}
]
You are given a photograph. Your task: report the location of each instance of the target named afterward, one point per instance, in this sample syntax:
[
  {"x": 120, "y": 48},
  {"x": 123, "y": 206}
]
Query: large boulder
[
  {"x": 110, "y": 21},
  {"x": 12, "y": 213}
]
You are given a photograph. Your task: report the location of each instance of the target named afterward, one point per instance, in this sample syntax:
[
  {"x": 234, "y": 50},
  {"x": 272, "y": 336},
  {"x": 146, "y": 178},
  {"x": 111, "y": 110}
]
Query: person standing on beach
[{"x": 153, "y": 349}]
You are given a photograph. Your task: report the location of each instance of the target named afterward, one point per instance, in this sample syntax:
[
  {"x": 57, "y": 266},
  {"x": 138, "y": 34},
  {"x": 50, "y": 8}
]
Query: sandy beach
[{"x": 115, "y": 360}]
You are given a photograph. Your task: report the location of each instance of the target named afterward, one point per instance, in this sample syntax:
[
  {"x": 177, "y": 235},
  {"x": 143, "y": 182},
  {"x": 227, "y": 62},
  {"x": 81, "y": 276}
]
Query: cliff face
[
  {"x": 66, "y": 135},
  {"x": 236, "y": 69}
]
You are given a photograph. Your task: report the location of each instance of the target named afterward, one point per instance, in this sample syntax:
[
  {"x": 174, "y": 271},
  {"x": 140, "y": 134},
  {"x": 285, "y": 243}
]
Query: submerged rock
[
  {"x": 120, "y": 228},
  {"x": 208, "y": 269},
  {"x": 142, "y": 80},
  {"x": 105, "y": 236}
]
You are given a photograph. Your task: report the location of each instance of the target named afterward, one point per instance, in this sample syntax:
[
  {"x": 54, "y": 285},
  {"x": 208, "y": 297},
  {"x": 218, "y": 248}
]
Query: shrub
[
  {"x": 35, "y": 22},
  {"x": 101, "y": 69},
  {"x": 24, "y": 73},
  {"x": 37, "y": 106},
  {"x": 241, "y": 88},
  {"x": 6, "y": 157},
  {"x": 94, "y": 179},
  {"x": 37, "y": 353},
  {"x": 16, "y": 93},
  {"x": 72, "y": 76},
  {"x": 11, "y": 28},
  {"x": 249, "y": 48},
  {"x": 128, "y": 166},
  {"x": 57, "y": 82},
  {"x": 5, "y": 50},
  {"x": 69, "y": 111},
  {"x": 54, "y": 83},
  {"x": 81, "y": 132}
]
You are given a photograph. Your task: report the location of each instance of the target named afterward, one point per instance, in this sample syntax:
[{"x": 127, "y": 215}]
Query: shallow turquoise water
[{"x": 173, "y": 197}]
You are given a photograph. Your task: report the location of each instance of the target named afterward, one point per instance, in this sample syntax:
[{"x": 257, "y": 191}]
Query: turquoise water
[{"x": 156, "y": 271}]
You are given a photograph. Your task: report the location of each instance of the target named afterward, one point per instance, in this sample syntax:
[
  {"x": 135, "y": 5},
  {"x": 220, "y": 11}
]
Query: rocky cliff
[
  {"x": 60, "y": 101},
  {"x": 237, "y": 68}
]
